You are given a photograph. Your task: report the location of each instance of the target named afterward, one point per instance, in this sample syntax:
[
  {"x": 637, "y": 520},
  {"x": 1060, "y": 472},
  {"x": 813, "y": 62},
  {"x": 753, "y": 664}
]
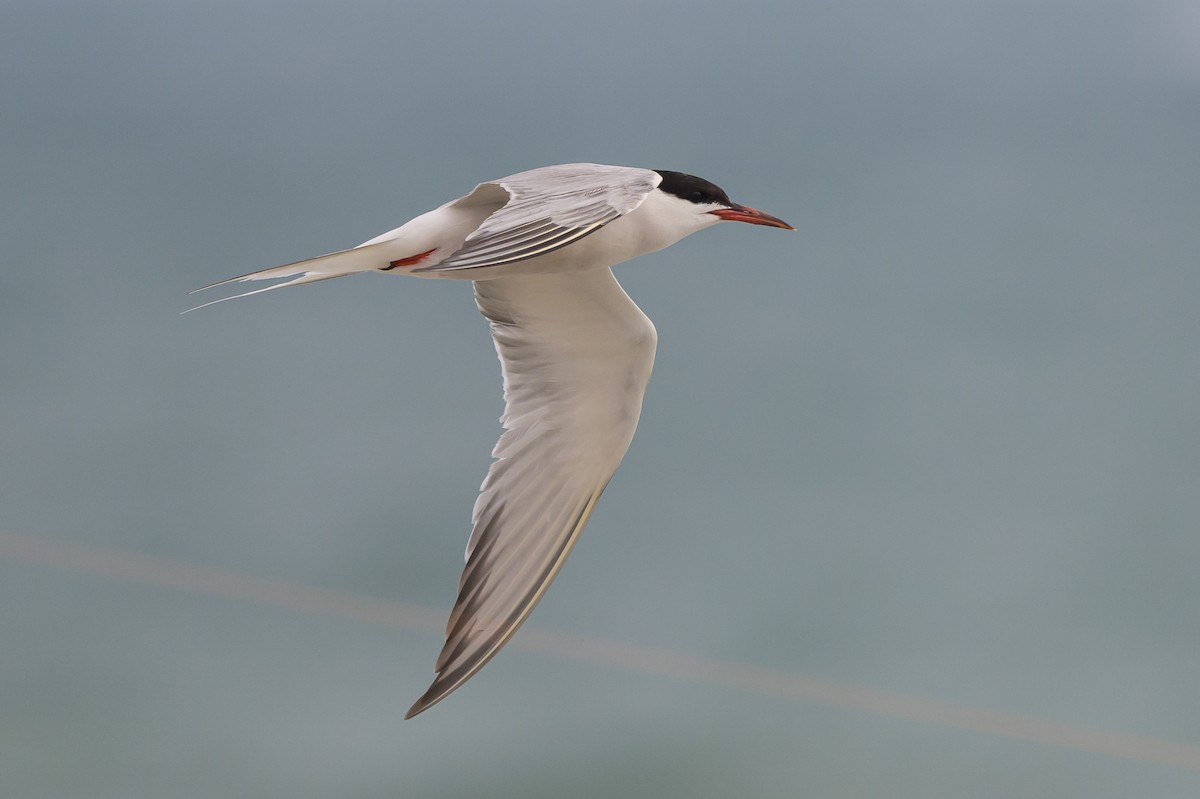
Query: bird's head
[{"x": 709, "y": 202}]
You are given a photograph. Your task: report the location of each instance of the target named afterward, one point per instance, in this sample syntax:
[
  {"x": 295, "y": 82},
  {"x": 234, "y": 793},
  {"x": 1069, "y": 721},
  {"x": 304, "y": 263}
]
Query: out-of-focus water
[{"x": 942, "y": 442}]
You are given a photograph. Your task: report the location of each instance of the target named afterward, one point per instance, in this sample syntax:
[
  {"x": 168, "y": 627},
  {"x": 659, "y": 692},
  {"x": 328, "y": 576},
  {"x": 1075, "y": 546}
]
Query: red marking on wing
[{"x": 411, "y": 260}]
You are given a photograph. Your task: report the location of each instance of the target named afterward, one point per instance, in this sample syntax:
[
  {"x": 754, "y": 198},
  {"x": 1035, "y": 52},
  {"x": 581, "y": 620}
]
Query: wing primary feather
[
  {"x": 524, "y": 229},
  {"x": 447, "y": 682},
  {"x": 541, "y": 247},
  {"x": 502, "y": 556},
  {"x": 502, "y": 250}
]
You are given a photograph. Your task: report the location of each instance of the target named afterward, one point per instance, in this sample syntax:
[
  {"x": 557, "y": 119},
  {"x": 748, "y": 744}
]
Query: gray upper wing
[{"x": 549, "y": 208}]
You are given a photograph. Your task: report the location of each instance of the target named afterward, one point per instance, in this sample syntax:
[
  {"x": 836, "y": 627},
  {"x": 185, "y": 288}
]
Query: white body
[{"x": 644, "y": 230}]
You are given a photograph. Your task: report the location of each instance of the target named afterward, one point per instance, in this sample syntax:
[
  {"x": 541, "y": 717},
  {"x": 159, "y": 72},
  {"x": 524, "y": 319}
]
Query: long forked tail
[{"x": 363, "y": 258}]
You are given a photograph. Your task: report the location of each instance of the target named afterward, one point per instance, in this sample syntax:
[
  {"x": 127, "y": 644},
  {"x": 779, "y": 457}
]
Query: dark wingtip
[{"x": 428, "y": 699}]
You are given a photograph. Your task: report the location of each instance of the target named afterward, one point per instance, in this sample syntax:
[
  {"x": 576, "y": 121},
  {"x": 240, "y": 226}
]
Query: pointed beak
[{"x": 744, "y": 213}]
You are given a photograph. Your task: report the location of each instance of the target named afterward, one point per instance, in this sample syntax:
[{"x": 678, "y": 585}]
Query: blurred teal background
[{"x": 943, "y": 441}]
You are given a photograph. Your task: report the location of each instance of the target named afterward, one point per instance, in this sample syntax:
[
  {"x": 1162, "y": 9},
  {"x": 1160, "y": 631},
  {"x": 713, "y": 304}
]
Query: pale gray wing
[
  {"x": 576, "y": 354},
  {"x": 549, "y": 208}
]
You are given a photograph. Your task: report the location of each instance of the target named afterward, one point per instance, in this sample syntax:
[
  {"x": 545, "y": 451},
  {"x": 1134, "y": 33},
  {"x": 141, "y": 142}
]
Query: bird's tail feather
[{"x": 363, "y": 258}]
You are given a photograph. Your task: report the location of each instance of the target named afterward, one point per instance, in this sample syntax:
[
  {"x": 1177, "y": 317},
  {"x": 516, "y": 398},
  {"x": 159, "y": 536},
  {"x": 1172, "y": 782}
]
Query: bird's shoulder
[{"x": 622, "y": 188}]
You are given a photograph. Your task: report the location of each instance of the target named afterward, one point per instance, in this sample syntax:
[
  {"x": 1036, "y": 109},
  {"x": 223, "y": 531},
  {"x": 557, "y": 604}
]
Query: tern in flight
[{"x": 575, "y": 353}]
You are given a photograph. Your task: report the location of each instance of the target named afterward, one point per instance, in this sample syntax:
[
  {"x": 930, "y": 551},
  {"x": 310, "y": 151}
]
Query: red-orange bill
[{"x": 744, "y": 213}]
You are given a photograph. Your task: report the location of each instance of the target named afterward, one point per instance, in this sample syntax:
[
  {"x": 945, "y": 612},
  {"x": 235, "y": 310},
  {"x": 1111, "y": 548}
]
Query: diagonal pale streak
[{"x": 177, "y": 575}]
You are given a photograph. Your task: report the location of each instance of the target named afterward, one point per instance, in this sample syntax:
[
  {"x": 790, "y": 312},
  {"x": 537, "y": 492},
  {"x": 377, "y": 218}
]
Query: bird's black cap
[{"x": 692, "y": 188}]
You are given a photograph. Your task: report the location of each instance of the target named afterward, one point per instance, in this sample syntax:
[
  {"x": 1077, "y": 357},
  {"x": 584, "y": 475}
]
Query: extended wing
[{"x": 576, "y": 354}]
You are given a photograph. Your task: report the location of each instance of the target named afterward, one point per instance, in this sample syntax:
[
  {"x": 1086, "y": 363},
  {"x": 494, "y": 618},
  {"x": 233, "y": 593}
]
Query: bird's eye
[{"x": 696, "y": 196}]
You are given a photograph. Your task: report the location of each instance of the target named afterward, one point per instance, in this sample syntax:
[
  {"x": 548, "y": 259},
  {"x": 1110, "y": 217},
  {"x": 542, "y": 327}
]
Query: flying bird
[{"x": 575, "y": 353}]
